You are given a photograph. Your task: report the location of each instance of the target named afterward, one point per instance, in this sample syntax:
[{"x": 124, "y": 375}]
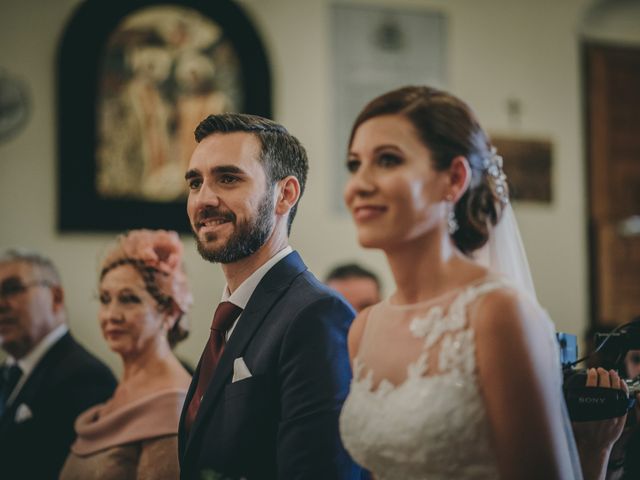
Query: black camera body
[{"x": 597, "y": 403}]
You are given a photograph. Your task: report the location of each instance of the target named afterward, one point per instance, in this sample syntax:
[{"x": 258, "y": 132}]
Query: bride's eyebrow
[
  {"x": 377, "y": 149},
  {"x": 387, "y": 146}
]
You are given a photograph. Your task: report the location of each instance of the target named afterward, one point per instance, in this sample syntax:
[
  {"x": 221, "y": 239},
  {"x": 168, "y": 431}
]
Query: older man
[{"x": 48, "y": 378}]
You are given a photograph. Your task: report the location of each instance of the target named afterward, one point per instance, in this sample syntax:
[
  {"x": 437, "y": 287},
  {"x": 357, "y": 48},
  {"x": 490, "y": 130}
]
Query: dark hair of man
[
  {"x": 352, "y": 270},
  {"x": 281, "y": 155}
]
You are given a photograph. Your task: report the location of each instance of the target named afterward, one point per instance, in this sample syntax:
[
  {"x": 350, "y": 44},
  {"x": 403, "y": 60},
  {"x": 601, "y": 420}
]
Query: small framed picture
[{"x": 528, "y": 166}]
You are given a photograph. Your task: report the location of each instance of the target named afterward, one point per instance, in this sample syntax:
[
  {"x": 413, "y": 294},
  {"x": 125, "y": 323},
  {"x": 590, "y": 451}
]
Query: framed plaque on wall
[{"x": 376, "y": 49}]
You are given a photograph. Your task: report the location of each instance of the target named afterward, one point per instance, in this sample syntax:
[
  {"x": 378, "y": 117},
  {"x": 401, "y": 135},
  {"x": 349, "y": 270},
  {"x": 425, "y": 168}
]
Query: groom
[{"x": 265, "y": 399}]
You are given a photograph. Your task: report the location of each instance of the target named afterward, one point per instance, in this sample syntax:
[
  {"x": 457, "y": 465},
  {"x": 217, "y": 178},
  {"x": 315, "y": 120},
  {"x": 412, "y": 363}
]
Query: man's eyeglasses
[{"x": 14, "y": 286}]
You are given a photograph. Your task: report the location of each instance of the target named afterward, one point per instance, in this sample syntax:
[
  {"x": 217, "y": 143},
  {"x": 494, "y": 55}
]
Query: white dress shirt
[
  {"x": 31, "y": 359},
  {"x": 243, "y": 293}
]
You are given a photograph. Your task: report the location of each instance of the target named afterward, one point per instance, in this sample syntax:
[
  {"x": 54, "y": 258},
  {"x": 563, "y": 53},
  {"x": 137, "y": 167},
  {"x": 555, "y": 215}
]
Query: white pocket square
[
  {"x": 23, "y": 413},
  {"x": 240, "y": 370}
]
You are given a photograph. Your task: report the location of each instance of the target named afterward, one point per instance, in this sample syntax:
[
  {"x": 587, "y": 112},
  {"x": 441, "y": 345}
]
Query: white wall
[{"x": 497, "y": 49}]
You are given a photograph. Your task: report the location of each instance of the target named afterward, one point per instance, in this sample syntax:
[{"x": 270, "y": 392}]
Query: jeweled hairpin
[{"x": 493, "y": 168}]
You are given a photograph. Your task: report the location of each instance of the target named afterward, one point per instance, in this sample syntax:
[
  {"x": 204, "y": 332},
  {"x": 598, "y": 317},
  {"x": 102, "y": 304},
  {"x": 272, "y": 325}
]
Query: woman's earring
[{"x": 452, "y": 221}]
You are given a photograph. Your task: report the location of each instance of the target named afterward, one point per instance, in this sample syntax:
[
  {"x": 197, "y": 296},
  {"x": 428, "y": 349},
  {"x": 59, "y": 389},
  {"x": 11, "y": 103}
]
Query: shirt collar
[
  {"x": 31, "y": 359},
  {"x": 242, "y": 294}
]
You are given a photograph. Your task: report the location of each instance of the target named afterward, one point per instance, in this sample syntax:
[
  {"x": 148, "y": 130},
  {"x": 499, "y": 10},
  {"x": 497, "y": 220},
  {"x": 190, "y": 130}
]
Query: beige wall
[{"x": 497, "y": 49}]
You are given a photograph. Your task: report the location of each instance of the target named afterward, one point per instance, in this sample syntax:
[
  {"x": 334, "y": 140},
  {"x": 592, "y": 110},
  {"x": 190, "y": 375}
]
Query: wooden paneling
[
  {"x": 619, "y": 269},
  {"x": 613, "y": 98}
]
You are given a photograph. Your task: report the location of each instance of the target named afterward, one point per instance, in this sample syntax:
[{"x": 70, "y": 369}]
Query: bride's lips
[
  {"x": 114, "y": 332},
  {"x": 368, "y": 212}
]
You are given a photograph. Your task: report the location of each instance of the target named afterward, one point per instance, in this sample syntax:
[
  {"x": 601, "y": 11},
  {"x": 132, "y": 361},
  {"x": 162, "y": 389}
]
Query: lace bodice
[{"x": 432, "y": 423}]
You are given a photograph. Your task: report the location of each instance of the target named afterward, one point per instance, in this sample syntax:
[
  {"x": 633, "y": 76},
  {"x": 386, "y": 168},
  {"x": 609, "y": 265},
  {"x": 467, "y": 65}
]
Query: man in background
[
  {"x": 48, "y": 379},
  {"x": 359, "y": 286}
]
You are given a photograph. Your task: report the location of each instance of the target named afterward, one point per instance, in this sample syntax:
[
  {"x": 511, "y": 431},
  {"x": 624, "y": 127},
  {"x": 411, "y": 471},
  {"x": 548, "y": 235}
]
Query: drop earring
[{"x": 452, "y": 221}]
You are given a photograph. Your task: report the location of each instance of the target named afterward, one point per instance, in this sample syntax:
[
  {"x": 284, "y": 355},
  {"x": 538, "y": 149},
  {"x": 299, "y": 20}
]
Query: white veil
[{"x": 504, "y": 254}]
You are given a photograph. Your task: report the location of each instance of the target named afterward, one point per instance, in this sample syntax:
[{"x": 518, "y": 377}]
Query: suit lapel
[
  {"x": 272, "y": 286},
  {"x": 33, "y": 384}
]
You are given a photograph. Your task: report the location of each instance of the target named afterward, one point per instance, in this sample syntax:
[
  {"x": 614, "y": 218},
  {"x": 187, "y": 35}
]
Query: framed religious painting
[{"x": 135, "y": 77}]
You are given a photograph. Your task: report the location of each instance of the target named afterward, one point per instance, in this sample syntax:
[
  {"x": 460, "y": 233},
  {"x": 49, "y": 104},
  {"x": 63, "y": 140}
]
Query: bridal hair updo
[
  {"x": 448, "y": 128},
  {"x": 157, "y": 257}
]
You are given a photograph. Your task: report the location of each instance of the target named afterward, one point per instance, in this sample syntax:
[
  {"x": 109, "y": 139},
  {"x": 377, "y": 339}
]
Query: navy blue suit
[
  {"x": 65, "y": 382},
  {"x": 282, "y": 422}
]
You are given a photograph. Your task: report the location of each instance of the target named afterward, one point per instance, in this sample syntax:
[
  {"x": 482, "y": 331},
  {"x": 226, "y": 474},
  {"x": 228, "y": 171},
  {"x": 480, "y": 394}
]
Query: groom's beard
[{"x": 247, "y": 238}]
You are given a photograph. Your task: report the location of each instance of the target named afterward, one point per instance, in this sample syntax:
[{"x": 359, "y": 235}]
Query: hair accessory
[
  {"x": 160, "y": 250},
  {"x": 493, "y": 168}
]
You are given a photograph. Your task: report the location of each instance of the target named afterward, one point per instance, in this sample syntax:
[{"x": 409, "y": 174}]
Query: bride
[{"x": 456, "y": 375}]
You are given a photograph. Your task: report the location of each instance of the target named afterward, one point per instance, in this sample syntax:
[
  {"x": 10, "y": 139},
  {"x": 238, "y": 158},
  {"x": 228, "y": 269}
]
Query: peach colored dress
[{"x": 137, "y": 441}]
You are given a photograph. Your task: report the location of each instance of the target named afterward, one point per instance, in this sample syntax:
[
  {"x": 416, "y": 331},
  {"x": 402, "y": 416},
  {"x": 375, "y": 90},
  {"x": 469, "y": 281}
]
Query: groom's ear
[
  {"x": 288, "y": 194},
  {"x": 459, "y": 177}
]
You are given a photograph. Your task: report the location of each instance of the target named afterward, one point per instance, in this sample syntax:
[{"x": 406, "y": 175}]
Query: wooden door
[{"x": 613, "y": 141}]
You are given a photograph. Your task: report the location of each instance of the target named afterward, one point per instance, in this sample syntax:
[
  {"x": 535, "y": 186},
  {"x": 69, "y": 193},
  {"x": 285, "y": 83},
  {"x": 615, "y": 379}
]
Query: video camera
[{"x": 598, "y": 403}]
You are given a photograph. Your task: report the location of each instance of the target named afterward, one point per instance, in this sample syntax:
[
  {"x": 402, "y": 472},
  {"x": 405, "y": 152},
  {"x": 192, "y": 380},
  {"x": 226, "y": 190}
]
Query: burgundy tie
[{"x": 225, "y": 315}]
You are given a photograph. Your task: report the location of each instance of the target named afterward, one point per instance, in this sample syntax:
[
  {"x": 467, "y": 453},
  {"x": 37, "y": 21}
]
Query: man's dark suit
[
  {"x": 283, "y": 421},
  {"x": 64, "y": 383}
]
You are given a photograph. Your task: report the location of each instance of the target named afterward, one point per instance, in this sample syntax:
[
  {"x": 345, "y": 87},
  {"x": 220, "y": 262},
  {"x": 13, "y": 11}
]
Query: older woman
[{"x": 143, "y": 298}]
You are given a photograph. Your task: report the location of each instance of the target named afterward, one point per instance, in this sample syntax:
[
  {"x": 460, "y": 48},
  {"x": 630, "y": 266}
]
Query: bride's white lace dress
[{"x": 432, "y": 423}]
